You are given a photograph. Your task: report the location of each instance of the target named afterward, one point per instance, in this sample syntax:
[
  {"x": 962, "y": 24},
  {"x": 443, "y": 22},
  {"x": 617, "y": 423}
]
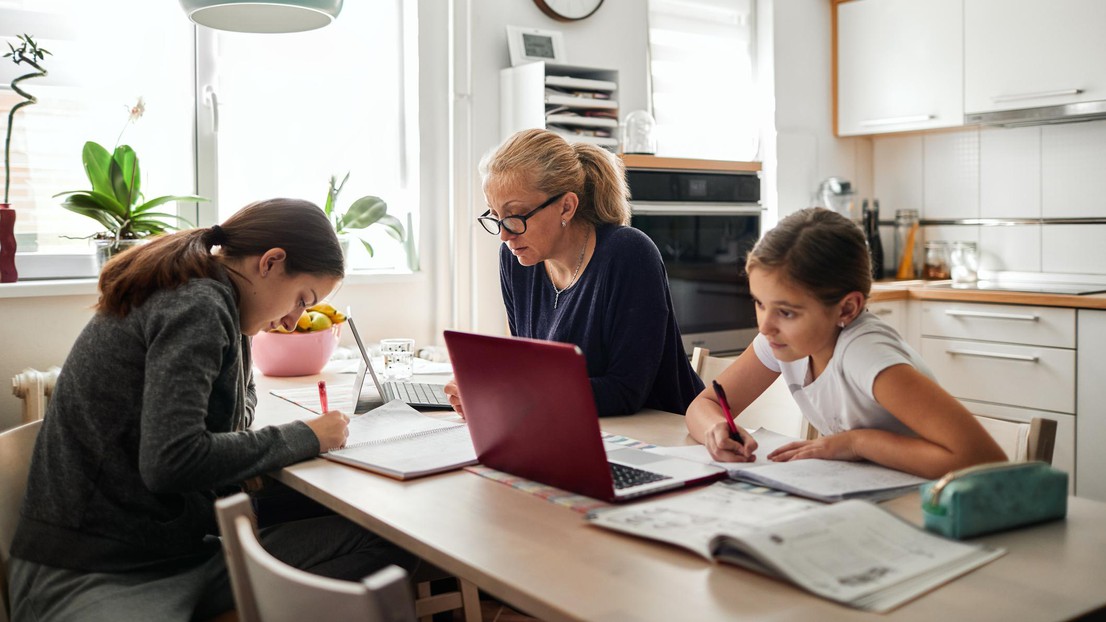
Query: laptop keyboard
[
  {"x": 627, "y": 476},
  {"x": 417, "y": 393}
]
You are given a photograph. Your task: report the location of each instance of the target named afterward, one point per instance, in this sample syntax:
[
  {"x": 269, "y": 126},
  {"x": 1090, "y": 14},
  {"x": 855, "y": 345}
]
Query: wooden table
[{"x": 547, "y": 560}]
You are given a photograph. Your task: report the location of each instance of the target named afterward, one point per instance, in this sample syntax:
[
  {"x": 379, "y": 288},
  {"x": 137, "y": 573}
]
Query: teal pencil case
[{"x": 993, "y": 497}]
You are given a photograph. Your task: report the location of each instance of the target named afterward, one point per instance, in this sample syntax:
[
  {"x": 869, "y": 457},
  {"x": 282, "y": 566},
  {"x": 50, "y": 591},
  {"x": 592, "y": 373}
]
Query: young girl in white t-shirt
[{"x": 855, "y": 380}]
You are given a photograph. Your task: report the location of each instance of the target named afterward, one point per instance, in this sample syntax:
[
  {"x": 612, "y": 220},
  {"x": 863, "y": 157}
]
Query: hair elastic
[{"x": 217, "y": 236}]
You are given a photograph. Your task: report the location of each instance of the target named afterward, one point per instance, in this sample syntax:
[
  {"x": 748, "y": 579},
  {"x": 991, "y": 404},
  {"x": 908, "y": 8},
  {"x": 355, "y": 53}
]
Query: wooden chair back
[
  {"x": 775, "y": 409},
  {"x": 268, "y": 590},
  {"x": 1022, "y": 440},
  {"x": 16, "y": 446}
]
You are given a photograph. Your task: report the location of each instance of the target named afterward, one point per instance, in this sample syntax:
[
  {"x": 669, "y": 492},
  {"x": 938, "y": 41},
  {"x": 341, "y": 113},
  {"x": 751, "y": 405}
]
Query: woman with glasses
[{"x": 572, "y": 271}]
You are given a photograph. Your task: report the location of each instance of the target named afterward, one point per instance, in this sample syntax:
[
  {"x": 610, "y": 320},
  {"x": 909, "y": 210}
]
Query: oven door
[{"x": 704, "y": 248}]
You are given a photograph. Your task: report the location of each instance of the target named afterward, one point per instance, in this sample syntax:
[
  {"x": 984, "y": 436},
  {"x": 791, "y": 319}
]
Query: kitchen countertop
[{"x": 883, "y": 291}]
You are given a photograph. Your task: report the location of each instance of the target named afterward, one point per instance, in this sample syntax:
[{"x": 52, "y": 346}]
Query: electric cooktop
[{"x": 1072, "y": 289}]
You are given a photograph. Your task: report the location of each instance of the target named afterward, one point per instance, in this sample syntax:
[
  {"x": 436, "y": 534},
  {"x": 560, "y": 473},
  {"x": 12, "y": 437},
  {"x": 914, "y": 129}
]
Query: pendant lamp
[{"x": 269, "y": 16}]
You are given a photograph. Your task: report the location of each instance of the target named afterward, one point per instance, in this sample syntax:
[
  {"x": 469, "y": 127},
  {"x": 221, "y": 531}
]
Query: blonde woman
[{"x": 572, "y": 271}]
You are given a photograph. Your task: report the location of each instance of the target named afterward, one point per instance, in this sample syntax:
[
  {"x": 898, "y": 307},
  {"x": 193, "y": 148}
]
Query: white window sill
[{"x": 88, "y": 286}]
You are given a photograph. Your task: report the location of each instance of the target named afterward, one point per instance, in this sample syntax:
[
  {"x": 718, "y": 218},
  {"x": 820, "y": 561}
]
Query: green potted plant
[
  {"x": 116, "y": 200},
  {"x": 28, "y": 52},
  {"x": 361, "y": 214}
]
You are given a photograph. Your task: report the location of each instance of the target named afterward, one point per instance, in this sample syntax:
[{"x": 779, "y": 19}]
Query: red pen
[
  {"x": 322, "y": 395},
  {"x": 721, "y": 394}
]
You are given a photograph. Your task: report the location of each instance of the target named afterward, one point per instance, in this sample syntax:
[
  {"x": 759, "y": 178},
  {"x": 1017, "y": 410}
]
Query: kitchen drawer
[
  {"x": 1043, "y": 326},
  {"x": 1063, "y": 454},
  {"x": 1026, "y": 376}
]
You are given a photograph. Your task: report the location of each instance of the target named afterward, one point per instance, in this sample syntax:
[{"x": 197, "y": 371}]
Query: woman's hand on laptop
[
  {"x": 454, "y": 394},
  {"x": 331, "y": 428}
]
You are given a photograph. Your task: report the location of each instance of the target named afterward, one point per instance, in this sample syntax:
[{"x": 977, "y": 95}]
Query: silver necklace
[{"x": 579, "y": 264}]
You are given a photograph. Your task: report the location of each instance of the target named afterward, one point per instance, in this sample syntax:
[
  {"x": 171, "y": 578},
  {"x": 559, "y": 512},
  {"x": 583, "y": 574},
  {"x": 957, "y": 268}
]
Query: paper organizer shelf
[{"x": 294, "y": 354}]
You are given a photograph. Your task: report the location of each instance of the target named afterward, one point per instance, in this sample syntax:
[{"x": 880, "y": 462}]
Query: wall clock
[{"x": 568, "y": 10}]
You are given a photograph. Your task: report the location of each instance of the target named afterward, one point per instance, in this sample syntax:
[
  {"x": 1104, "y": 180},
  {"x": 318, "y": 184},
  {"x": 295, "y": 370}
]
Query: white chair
[
  {"x": 268, "y": 590},
  {"x": 775, "y": 409},
  {"x": 16, "y": 446},
  {"x": 34, "y": 388},
  {"x": 1022, "y": 440}
]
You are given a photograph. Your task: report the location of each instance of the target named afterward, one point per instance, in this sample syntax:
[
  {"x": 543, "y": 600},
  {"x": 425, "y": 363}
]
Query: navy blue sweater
[{"x": 619, "y": 313}]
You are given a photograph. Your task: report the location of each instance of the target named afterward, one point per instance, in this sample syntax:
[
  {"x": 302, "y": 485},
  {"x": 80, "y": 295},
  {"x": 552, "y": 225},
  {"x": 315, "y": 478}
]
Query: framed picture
[{"x": 527, "y": 45}]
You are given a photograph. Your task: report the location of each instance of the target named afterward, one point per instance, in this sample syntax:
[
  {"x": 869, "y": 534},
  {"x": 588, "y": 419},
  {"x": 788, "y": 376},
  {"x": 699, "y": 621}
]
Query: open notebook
[
  {"x": 399, "y": 441},
  {"x": 852, "y": 552},
  {"x": 824, "y": 480}
]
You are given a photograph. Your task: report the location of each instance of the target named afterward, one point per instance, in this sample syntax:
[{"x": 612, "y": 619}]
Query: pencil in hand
[{"x": 721, "y": 395}]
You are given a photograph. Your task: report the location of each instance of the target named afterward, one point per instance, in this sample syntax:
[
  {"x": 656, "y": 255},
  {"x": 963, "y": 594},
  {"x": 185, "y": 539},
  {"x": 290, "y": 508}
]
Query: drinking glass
[{"x": 399, "y": 357}]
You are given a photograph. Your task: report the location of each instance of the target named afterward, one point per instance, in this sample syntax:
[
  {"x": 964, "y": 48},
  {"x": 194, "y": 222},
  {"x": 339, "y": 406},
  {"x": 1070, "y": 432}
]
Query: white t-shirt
[{"x": 841, "y": 397}]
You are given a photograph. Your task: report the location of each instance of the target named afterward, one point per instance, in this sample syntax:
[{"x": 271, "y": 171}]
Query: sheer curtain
[{"x": 703, "y": 72}]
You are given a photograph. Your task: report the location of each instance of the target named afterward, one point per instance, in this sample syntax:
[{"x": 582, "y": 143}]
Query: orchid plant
[
  {"x": 116, "y": 200},
  {"x": 28, "y": 52}
]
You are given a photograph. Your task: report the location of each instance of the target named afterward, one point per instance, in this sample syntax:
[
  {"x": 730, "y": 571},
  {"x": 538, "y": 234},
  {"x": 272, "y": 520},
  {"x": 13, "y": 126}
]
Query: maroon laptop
[{"x": 531, "y": 413}]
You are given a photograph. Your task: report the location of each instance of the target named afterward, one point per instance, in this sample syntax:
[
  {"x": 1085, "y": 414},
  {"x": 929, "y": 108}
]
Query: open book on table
[
  {"x": 399, "y": 441},
  {"x": 824, "y": 480},
  {"x": 851, "y": 552}
]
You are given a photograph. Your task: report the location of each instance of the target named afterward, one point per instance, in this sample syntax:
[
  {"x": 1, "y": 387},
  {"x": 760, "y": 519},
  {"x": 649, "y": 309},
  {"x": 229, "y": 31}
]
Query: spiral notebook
[{"x": 399, "y": 441}]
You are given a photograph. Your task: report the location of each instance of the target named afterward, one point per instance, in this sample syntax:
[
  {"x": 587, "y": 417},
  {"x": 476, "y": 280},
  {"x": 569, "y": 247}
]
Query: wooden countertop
[
  {"x": 653, "y": 162},
  {"x": 918, "y": 290}
]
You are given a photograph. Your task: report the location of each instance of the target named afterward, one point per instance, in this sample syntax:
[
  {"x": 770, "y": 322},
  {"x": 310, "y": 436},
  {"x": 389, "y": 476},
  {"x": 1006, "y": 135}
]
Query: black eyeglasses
[{"x": 515, "y": 225}]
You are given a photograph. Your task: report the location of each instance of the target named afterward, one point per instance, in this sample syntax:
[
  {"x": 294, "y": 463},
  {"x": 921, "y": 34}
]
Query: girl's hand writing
[
  {"x": 331, "y": 428},
  {"x": 836, "y": 447},
  {"x": 725, "y": 449}
]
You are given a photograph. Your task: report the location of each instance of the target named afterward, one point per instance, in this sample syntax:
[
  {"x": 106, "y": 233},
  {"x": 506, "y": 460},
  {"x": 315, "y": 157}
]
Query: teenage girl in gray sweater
[{"x": 150, "y": 419}]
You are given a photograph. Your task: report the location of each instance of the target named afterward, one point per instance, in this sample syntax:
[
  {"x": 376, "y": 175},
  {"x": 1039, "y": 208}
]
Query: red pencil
[
  {"x": 322, "y": 395},
  {"x": 721, "y": 394}
]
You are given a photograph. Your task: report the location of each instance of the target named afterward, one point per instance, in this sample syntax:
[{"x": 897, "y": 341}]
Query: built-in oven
[{"x": 704, "y": 224}]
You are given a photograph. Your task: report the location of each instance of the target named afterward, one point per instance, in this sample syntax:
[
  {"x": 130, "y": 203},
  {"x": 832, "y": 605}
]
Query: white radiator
[{"x": 34, "y": 387}]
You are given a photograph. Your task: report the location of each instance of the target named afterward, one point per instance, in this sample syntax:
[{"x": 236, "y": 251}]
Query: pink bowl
[{"x": 294, "y": 354}]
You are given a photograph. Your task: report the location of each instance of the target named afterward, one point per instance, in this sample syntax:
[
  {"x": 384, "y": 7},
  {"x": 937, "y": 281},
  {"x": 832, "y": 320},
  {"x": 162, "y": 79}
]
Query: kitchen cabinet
[
  {"x": 1033, "y": 53},
  {"x": 1009, "y": 361},
  {"x": 899, "y": 65},
  {"x": 1091, "y": 404},
  {"x": 579, "y": 103},
  {"x": 893, "y": 313}
]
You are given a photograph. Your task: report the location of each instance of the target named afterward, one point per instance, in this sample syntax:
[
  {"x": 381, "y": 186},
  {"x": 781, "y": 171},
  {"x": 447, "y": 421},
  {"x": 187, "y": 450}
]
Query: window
[
  {"x": 295, "y": 109},
  {"x": 104, "y": 56},
  {"x": 702, "y": 71},
  {"x": 292, "y": 110}
]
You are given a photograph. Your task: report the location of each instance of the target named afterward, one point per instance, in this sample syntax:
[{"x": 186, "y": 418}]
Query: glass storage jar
[
  {"x": 908, "y": 244},
  {"x": 936, "y": 265},
  {"x": 964, "y": 263}
]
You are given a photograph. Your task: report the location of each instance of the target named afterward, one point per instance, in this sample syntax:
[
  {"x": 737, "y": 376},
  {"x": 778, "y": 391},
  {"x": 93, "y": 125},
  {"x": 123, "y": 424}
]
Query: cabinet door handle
[
  {"x": 995, "y": 355},
  {"x": 1013, "y": 97},
  {"x": 1024, "y": 317},
  {"x": 884, "y": 311},
  {"x": 895, "y": 120}
]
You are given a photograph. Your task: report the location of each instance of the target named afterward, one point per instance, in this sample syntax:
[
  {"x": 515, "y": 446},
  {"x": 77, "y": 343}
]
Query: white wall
[
  {"x": 615, "y": 37},
  {"x": 1052, "y": 171},
  {"x": 805, "y": 152}
]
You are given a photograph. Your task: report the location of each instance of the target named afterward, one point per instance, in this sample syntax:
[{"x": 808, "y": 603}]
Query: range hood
[{"x": 1065, "y": 113}]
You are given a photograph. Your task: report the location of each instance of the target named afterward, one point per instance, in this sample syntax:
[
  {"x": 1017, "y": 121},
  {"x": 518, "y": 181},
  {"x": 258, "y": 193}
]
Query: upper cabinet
[
  {"x": 1032, "y": 53},
  {"x": 900, "y": 64}
]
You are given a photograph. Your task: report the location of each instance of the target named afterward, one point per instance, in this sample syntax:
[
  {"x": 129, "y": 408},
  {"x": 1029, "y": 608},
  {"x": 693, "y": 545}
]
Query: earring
[
  {"x": 564, "y": 223},
  {"x": 841, "y": 324}
]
